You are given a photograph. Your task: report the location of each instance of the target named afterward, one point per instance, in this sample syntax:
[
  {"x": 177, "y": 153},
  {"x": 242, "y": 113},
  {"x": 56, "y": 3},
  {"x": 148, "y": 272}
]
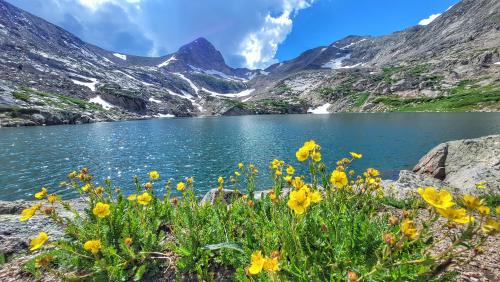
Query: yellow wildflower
[
  {"x": 456, "y": 215},
  {"x": 148, "y": 186},
  {"x": 316, "y": 156},
  {"x": 491, "y": 226},
  {"x": 278, "y": 172},
  {"x": 189, "y": 181},
  {"x": 310, "y": 145},
  {"x": 299, "y": 201},
  {"x": 144, "y": 199},
  {"x": 483, "y": 210},
  {"x": 256, "y": 263},
  {"x": 481, "y": 185},
  {"x": 132, "y": 197},
  {"x": 497, "y": 210},
  {"x": 99, "y": 190},
  {"x": 181, "y": 186},
  {"x": 471, "y": 202},
  {"x": 271, "y": 264},
  {"x": 154, "y": 175},
  {"x": 356, "y": 155},
  {"x": 372, "y": 172},
  {"x": 290, "y": 170},
  {"x": 128, "y": 241},
  {"x": 52, "y": 199},
  {"x": 41, "y": 194},
  {"x": 241, "y": 166},
  {"x": 93, "y": 246},
  {"x": 272, "y": 195},
  {"x": 101, "y": 210},
  {"x": 298, "y": 182},
  {"x": 338, "y": 178},
  {"x": 37, "y": 242},
  {"x": 237, "y": 173},
  {"x": 27, "y": 214},
  {"x": 315, "y": 196},
  {"x": 220, "y": 180},
  {"x": 408, "y": 229},
  {"x": 302, "y": 154},
  {"x": 288, "y": 178},
  {"x": 438, "y": 199},
  {"x": 73, "y": 174},
  {"x": 86, "y": 187}
]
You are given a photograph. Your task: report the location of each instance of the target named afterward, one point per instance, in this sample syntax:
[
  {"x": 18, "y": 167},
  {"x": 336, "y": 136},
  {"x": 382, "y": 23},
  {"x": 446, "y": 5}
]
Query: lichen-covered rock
[
  {"x": 407, "y": 183},
  {"x": 463, "y": 163},
  {"x": 212, "y": 195}
]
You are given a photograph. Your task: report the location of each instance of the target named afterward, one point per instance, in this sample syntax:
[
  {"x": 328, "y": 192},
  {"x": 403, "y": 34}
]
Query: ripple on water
[{"x": 208, "y": 148}]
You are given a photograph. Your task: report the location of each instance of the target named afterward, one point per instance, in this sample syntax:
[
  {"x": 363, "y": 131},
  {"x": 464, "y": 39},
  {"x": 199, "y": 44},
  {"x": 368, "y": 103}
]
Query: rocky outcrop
[{"x": 463, "y": 163}]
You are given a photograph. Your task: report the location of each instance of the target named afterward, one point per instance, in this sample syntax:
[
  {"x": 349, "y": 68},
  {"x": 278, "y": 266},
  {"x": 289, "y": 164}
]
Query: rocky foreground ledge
[{"x": 456, "y": 165}]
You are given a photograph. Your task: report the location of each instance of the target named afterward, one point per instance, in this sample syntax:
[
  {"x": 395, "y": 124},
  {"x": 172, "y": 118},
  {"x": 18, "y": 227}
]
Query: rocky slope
[
  {"x": 452, "y": 64},
  {"x": 49, "y": 76}
]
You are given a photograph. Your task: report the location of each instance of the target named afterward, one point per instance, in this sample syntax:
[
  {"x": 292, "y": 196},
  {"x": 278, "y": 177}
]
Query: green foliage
[
  {"x": 327, "y": 227},
  {"x": 463, "y": 97},
  {"x": 22, "y": 95},
  {"x": 361, "y": 99}
]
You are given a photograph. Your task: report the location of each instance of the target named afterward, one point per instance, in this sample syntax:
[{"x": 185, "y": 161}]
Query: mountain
[
  {"x": 49, "y": 76},
  {"x": 422, "y": 68}
]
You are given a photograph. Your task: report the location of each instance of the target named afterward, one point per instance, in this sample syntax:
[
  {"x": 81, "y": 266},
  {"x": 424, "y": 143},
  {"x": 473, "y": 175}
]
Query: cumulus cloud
[
  {"x": 247, "y": 32},
  {"x": 259, "y": 47},
  {"x": 429, "y": 19}
]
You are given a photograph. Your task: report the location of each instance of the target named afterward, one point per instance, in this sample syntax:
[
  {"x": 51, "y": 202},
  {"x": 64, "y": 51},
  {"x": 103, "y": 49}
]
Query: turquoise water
[{"x": 208, "y": 147}]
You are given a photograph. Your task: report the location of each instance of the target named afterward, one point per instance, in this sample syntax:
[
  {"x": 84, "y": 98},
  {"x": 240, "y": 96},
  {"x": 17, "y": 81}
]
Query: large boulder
[
  {"x": 463, "y": 163},
  {"x": 407, "y": 183}
]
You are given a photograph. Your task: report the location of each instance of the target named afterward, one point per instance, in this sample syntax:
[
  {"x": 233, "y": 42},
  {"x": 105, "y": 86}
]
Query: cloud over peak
[{"x": 247, "y": 32}]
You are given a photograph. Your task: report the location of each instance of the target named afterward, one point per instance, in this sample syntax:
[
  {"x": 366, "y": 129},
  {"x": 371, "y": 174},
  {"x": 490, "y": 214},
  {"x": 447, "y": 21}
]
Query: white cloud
[
  {"x": 259, "y": 47},
  {"x": 429, "y": 19},
  {"x": 247, "y": 32}
]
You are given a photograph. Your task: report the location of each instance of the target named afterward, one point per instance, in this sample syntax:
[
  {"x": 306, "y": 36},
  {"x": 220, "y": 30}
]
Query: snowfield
[
  {"x": 98, "y": 100},
  {"x": 321, "y": 110},
  {"x": 121, "y": 56}
]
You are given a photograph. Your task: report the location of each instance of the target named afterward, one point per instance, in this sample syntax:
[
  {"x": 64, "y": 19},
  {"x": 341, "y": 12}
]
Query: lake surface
[{"x": 205, "y": 148}]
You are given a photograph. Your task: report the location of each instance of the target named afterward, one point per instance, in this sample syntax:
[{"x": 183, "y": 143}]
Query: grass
[
  {"x": 464, "y": 97},
  {"x": 55, "y": 99},
  {"x": 361, "y": 99},
  {"x": 329, "y": 227}
]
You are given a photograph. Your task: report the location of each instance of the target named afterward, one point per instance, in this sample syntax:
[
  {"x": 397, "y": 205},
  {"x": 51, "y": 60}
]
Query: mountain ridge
[{"x": 50, "y": 76}]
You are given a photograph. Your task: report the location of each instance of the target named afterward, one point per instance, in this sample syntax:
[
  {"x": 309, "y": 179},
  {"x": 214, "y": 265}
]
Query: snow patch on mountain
[
  {"x": 191, "y": 84},
  {"x": 230, "y": 95},
  {"x": 321, "y": 110},
  {"x": 165, "y": 116},
  {"x": 154, "y": 100},
  {"x": 167, "y": 62},
  {"x": 121, "y": 56},
  {"x": 336, "y": 63},
  {"x": 98, "y": 100},
  {"x": 90, "y": 85}
]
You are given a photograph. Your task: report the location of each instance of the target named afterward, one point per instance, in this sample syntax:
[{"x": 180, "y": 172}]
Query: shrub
[{"x": 328, "y": 225}]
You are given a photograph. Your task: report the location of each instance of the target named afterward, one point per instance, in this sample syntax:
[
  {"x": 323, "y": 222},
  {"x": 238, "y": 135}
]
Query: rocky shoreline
[{"x": 456, "y": 165}]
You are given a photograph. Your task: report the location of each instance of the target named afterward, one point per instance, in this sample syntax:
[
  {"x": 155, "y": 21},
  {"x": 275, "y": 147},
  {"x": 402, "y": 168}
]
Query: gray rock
[
  {"x": 463, "y": 163},
  {"x": 408, "y": 183},
  {"x": 212, "y": 195}
]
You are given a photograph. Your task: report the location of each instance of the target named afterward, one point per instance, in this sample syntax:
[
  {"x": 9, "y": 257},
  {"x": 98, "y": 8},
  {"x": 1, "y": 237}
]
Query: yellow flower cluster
[
  {"x": 301, "y": 199},
  {"x": 93, "y": 246},
  {"x": 101, "y": 210},
  {"x": 444, "y": 204},
  {"x": 37, "y": 242},
  {"x": 259, "y": 263},
  {"x": 309, "y": 149}
]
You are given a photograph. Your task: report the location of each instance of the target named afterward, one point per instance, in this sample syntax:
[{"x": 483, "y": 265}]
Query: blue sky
[{"x": 249, "y": 33}]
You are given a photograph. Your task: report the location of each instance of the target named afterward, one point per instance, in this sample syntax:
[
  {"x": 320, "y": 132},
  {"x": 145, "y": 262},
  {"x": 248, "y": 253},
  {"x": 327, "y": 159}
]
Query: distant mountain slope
[
  {"x": 49, "y": 76},
  {"x": 419, "y": 68},
  {"x": 43, "y": 64}
]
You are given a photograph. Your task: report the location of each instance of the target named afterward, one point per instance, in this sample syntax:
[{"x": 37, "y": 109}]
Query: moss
[
  {"x": 22, "y": 95},
  {"x": 464, "y": 97},
  {"x": 59, "y": 100},
  {"x": 361, "y": 99}
]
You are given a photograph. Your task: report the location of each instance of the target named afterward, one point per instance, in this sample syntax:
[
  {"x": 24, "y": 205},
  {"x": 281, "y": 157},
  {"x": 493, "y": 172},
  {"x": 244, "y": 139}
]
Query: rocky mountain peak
[{"x": 202, "y": 54}]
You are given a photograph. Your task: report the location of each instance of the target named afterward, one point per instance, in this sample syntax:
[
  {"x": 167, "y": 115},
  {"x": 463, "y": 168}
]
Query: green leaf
[
  {"x": 140, "y": 272},
  {"x": 227, "y": 245}
]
